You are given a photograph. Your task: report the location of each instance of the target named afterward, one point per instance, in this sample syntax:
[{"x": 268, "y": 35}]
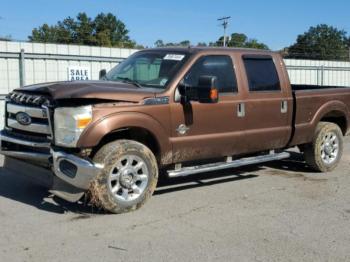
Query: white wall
[
  {"x": 335, "y": 73},
  {"x": 40, "y": 70},
  {"x": 2, "y": 111}
]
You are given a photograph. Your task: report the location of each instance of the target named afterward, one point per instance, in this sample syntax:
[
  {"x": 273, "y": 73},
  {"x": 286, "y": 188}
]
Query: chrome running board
[{"x": 186, "y": 171}]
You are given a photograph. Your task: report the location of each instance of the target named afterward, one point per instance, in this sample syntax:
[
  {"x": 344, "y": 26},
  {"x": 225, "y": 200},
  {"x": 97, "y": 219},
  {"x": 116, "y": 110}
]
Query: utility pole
[{"x": 224, "y": 24}]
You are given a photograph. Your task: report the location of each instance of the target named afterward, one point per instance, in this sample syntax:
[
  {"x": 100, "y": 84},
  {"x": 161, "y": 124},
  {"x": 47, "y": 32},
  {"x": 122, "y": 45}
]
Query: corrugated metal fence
[
  {"x": 314, "y": 72},
  {"x": 23, "y": 63}
]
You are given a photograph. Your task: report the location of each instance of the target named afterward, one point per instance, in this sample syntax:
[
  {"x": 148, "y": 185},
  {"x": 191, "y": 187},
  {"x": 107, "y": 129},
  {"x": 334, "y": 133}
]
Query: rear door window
[{"x": 261, "y": 73}]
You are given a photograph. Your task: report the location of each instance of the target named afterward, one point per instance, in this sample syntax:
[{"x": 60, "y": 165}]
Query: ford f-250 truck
[{"x": 178, "y": 110}]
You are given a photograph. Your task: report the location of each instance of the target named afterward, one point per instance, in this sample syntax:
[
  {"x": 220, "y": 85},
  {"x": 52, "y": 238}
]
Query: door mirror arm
[
  {"x": 186, "y": 92},
  {"x": 102, "y": 74}
]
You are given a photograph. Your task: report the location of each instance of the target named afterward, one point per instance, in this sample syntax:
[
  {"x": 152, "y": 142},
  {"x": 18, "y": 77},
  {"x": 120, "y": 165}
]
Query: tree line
[
  {"x": 319, "y": 42},
  {"x": 235, "y": 40},
  {"x": 104, "y": 30}
]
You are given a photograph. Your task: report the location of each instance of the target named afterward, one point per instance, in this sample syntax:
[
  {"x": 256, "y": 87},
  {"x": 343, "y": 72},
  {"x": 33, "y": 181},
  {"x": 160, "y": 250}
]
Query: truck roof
[{"x": 191, "y": 49}]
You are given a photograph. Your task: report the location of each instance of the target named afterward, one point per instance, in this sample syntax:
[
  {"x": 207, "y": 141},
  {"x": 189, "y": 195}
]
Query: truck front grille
[
  {"x": 27, "y": 99},
  {"x": 27, "y": 116}
]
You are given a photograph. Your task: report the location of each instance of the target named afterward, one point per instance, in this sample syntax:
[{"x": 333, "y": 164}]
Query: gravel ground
[{"x": 278, "y": 212}]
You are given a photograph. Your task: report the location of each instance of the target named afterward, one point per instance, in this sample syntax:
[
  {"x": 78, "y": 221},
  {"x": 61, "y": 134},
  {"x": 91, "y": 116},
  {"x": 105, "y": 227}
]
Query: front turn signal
[{"x": 83, "y": 122}]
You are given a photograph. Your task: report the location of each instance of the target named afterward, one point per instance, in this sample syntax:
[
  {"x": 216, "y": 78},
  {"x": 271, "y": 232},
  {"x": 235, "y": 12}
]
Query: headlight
[{"x": 70, "y": 122}]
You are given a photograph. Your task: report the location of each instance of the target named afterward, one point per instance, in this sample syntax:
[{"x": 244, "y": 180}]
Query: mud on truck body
[{"x": 173, "y": 112}]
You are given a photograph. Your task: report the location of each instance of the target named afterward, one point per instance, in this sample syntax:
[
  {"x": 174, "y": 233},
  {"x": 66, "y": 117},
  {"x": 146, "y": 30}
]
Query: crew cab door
[
  {"x": 207, "y": 130},
  {"x": 268, "y": 103}
]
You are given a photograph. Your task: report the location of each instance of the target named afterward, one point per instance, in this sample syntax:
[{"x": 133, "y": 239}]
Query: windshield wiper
[{"x": 130, "y": 81}]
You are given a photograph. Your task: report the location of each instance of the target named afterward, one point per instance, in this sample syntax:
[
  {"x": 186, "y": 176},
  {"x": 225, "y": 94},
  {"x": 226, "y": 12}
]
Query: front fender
[{"x": 96, "y": 131}]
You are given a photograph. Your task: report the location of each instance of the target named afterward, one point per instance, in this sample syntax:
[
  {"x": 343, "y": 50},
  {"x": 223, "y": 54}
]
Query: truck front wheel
[
  {"x": 326, "y": 149},
  {"x": 128, "y": 179}
]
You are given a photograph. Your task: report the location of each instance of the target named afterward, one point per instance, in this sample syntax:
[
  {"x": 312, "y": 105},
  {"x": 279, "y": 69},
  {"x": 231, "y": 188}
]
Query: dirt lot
[{"x": 278, "y": 212}]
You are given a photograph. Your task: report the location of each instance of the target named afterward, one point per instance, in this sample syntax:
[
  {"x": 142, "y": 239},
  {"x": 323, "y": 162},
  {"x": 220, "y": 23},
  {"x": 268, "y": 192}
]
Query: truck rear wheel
[
  {"x": 128, "y": 179},
  {"x": 326, "y": 149}
]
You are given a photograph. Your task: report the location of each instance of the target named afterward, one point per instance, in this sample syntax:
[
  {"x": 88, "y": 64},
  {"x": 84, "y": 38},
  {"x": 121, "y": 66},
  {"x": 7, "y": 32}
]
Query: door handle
[
  {"x": 284, "y": 106},
  {"x": 241, "y": 110}
]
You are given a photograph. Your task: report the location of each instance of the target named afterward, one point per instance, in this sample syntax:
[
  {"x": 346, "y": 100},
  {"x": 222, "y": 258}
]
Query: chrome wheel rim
[
  {"x": 330, "y": 148},
  {"x": 128, "y": 178}
]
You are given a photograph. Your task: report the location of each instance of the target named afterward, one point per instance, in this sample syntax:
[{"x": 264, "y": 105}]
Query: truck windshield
[{"x": 148, "y": 69}]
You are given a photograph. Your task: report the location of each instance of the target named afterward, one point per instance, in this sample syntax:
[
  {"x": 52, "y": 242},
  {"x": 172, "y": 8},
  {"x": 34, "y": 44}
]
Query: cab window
[
  {"x": 261, "y": 73},
  {"x": 215, "y": 65}
]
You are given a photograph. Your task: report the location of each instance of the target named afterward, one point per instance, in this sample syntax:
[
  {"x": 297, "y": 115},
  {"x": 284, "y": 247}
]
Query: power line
[{"x": 225, "y": 25}]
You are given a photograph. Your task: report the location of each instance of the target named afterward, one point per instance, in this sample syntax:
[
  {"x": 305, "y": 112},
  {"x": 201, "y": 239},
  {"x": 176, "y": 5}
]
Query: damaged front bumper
[{"x": 73, "y": 170}]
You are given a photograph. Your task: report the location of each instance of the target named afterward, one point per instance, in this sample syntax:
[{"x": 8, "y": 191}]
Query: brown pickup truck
[{"x": 174, "y": 112}]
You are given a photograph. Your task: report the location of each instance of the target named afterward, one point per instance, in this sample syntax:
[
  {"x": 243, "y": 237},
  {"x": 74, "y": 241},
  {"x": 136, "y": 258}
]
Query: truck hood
[{"x": 108, "y": 90}]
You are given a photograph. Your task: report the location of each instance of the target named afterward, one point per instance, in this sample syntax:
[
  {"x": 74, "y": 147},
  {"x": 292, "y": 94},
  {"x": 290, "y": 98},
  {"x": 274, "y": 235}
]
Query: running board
[{"x": 186, "y": 171}]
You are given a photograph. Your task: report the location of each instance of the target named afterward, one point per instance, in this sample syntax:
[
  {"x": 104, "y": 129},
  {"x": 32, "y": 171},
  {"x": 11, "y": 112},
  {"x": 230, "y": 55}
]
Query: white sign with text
[{"x": 78, "y": 73}]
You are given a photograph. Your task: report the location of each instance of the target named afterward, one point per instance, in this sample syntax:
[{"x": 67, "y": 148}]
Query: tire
[
  {"x": 128, "y": 178},
  {"x": 326, "y": 149}
]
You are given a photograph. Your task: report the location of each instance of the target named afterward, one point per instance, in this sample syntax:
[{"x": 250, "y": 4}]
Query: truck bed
[
  {"x": 315, "y": 87},
  {"x": 310, "y": 101}
]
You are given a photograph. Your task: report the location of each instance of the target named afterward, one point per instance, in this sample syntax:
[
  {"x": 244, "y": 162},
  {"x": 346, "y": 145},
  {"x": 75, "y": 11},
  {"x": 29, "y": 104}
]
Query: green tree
[
  {"x": 185, "y": 43},
  {"x": 111, "y": 32},
  {"x": 237, "y": 40},
  {"x": 44, "y": 33},
  {"x": 84, "y": 30},
  {"x": 65, "y": 31},
  {"x": 104, "y": 30},
  {"x": 7, "y": 38},
  {"x": 322, "y": 42},
  {"x": 202, "y": 44},
  {"x": 171, "y": 44},
  {"x": 159, "y": 43},
  {"x": 240, "y": 40},
  {"x": 348, "y": 45},
  {"x": 253, "y": 43}
]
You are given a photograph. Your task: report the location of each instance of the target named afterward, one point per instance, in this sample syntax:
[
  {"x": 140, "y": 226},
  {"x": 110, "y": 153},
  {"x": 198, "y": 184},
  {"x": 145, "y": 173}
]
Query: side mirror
[
  {"x": 207, "y": 89},
  {"x": 205, "y": 92},
  {"x": 102, "y": 74}
]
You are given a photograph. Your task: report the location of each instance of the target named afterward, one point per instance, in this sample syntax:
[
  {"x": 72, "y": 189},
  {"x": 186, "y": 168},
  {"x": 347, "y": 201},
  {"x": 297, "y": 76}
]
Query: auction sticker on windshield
[{"x": 176, "y": 57}]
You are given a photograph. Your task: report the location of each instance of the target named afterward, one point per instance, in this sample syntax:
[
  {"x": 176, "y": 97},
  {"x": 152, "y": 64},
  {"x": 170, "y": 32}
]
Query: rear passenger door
[{"x": 268, "y": 103}]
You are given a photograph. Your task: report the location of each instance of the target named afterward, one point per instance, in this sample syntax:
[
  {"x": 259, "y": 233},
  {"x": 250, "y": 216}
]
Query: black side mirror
[
  {"x": 207, "y": 89},
  {"x": 187, "y": 93},
  {"x": 102, "y": 74},
  {"x": 205, "y": 92}
]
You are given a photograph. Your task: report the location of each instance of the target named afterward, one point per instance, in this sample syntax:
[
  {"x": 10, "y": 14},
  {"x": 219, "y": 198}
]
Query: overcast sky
[{"x": 276, "y": 23}]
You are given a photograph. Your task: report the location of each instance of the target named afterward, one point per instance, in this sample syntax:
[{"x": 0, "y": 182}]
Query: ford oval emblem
[{"x": 23, "y": 118}]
